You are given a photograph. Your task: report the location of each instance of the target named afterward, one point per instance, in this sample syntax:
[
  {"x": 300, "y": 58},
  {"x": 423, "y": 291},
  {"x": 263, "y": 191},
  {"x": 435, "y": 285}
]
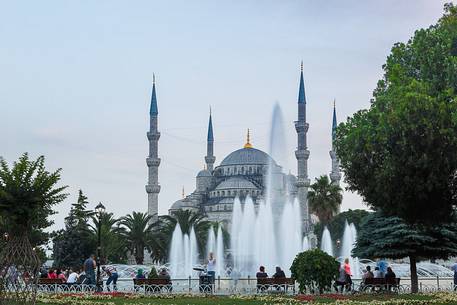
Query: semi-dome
[
  {"x": 236, "y": 183},
  {"x": 247, "y": 156}
]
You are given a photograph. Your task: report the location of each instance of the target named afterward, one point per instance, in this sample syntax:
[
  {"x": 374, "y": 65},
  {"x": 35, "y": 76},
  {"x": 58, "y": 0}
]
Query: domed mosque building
[{"x": 244, "y": 172}]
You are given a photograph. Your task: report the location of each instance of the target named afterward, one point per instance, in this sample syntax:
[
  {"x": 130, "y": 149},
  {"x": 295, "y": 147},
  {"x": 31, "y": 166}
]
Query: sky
[{"x": 76, "y": 83}]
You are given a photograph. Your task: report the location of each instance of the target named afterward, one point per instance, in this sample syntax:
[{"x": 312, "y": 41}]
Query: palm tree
[
  {"x": 112, "y": 243},
  {"x": 324, "y": 199},
  {"x": 187, "y": 220},
  {"x": 138, "y": 234}
]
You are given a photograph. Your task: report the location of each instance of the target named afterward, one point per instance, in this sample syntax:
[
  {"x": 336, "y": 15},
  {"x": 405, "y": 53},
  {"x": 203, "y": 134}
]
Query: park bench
[
  {"x": 153, "y": 285},
  {"x": 275, "y": 284},
  {"x": 46, "y": 281},
  {"x": 380, "y": 284}
]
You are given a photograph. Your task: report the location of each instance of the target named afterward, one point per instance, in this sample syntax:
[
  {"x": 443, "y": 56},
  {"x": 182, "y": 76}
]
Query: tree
[
  {"x": 399, "y": 155},
  {"x": 72, "y": 245},
  {"x": 392, "y": 237},
  {"x": 314, "y": 269},
  {"x": 336, "y": 225},
  {"x": 113, "y": 247},
  {"x": 186, "y": 220},
  {"x": 27, "y": 195},
  {"x": 138, "y": 234},
  {"x": 324, "y": 198},
  {"x": 28, "y": 192}
]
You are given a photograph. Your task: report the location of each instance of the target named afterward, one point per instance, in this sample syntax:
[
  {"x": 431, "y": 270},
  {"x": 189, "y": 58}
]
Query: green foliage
[
  {"x": 391, "y": 237},
  {"x": 336, "y": 225},
  {"x": 314, "y": 269},
  {"x": 324, "y": 198},
  {"x": 72, "y": 245},
  {"x": 138, "y": 234},
  {"x": 28, "y": 192},
  {"x": 186, "y": 219},
  {"x": 113, "y": 246},
  {"x": 400, "y": 154}
]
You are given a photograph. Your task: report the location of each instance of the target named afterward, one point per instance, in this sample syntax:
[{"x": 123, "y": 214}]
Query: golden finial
[
  {"x": 183, "y": 195},
  {"x": 248, "y": 141},
  {"x": 301, "y": 66}
]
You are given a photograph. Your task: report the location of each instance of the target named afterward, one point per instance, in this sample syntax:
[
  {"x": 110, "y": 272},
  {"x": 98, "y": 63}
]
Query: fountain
[
  {"x": 348, "y": 242},
  {"x": 183, "y": 253},
  {"x": 326, "y": 242}
]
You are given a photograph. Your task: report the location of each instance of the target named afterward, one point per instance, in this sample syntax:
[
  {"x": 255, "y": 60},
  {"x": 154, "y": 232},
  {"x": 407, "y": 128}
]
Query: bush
[{"x": 314, "y": 269}]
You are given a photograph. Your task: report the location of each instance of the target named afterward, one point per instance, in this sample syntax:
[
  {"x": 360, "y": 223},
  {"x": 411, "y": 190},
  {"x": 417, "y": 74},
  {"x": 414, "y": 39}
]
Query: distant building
[{"x": 242, "y": 173}]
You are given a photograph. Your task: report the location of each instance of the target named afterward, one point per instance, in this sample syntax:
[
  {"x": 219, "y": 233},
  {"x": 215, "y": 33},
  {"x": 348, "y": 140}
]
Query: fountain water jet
[{"x": 326, "y": 242}]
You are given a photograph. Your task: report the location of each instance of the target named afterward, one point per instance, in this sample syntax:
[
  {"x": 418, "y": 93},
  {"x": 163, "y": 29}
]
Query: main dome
[{"x": 247, "y": 156}]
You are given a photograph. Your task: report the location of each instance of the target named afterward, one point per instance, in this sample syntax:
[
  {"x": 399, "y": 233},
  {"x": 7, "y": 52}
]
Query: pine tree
[
  {"x": 381, "y": 236},
  {"x": 74, "y": 244}
]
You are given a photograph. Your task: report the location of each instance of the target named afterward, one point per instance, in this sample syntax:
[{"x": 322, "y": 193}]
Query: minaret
[
  {"x": 335, "y": 174},
  {"x": 210, "y": 158},
  {"x": 302, "y": 154},
  {"x": 153, "y": 160}
]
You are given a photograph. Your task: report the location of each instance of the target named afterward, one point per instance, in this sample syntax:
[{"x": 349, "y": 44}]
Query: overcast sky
[{"x": 76, "y": 82}]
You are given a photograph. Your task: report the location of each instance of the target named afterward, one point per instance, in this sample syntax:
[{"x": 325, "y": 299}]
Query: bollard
[
  {"x": 218, "y": 282},
  {"x": 190, "y": 284},
  {"x": 420, "y": 286},
  {"x": 438, "y": 282},
  {"x": 249, "y": 279}
]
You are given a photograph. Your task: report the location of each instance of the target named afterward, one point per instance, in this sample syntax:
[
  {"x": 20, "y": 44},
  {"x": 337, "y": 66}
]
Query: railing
[{"x": 227, "y": 286}]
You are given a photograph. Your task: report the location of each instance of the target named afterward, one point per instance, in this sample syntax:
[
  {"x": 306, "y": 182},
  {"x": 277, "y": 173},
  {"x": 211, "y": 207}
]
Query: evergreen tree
[
  {"x": 74, "y": 244},
  {"x": 400, "y": 155},
  {"x": 381, "y": 236}
]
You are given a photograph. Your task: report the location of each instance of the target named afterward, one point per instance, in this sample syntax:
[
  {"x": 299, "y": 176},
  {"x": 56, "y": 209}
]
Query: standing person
[
  {"x": 454, "y": 268},
  {"x": 347, "y": 270},
  {"x": 211, "y": 266},
  {"x": 111, "y": 272},
  {"x": 89, "y": 269}
]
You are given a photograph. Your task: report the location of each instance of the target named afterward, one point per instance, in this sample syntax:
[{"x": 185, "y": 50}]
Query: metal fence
[{"x": 245, "y": 286}]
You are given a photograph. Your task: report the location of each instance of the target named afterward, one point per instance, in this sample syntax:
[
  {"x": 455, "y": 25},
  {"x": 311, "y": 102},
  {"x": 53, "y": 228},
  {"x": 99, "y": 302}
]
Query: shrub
[{"x": 314, "y": 269}]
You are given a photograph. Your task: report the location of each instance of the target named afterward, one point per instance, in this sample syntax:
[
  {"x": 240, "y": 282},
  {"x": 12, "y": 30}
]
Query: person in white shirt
[
  {"x": 73, "y": 277},
  {"x": 211, "y": 266}
]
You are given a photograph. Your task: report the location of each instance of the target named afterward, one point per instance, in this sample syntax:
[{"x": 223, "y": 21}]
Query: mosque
[{"x": 242, "y": 173}]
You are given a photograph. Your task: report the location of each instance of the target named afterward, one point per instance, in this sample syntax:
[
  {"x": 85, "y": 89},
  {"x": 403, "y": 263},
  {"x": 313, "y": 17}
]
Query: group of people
[
  {"x": 344, "y": 280},
  {"x": 279, "y": 274}
]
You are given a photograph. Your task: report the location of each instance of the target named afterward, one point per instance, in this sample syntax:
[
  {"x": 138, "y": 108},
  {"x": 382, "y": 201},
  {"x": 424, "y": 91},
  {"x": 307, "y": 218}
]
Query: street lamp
[
  {"x": 338, "y": 243},
  {"x": 99, "y": 210}
]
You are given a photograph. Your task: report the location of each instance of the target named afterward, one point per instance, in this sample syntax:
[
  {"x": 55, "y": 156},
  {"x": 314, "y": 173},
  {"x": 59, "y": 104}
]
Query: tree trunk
[{"x": 413, "y": 271}]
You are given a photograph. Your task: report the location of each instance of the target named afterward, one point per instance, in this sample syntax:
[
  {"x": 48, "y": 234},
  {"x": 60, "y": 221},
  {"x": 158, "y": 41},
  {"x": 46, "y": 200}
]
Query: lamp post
[{"x": 99, "y": 210}]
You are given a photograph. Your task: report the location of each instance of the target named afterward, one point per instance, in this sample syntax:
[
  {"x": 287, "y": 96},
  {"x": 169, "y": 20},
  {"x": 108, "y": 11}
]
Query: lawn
[{"x": 364, "y": 299}]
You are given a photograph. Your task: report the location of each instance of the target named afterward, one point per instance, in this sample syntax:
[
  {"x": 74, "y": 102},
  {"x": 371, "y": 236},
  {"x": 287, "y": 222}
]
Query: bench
[
  {"x": 264, "y": 284},
  {"x": 153, "y": 285},
  {"x": 46, "y": 281},
  {"x": 377, "y": 284}
]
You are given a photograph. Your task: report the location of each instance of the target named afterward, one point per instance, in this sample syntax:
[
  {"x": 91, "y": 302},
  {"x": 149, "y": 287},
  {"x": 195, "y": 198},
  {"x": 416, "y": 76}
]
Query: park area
[{"x": 135, "y": 299}]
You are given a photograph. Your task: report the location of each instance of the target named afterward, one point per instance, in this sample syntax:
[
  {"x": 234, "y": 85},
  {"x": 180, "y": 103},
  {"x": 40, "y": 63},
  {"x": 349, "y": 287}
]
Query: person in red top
[
  {"x": 51, "y": 274},
  {"x": 60, "y": 275},
  {"x": 347, "y": 270}
]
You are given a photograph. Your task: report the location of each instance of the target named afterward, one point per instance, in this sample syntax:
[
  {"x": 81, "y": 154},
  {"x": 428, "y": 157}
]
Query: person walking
[
  {"x": 111, "y": 272},
  {"x": 89, "y": 270},
  {"x": 347, "y": 270}
]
